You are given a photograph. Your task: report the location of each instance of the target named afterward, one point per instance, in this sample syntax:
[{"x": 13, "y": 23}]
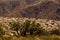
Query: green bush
[
  {"x": 25, "y": 27},
  {"x": 55, "y": 32},
  {"x": 34, "y": 28},
  {"x": 2, "y": 32},
  {"x": 31, "y": 28},
  {"x": 16, "y": 27}
]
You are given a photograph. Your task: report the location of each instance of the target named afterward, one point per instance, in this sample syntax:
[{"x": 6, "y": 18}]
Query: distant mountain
[{"x": 47, "y": 9}]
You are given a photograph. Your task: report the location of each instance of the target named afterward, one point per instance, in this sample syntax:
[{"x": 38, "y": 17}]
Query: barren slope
[{"x": 44, "y": 9}]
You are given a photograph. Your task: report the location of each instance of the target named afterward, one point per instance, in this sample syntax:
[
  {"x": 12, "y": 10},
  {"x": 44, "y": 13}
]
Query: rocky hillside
[{"x": 44, "y": 9}]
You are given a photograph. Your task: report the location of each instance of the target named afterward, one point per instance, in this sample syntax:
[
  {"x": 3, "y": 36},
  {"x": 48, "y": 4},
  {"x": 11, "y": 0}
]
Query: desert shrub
[
  {"x": 2, "y": 32},
  {"x": 55, "y": 32},
  {"x": 24, "y": 28},
  {"x": 15, "y": 26},
  {"x": 40, "y": 30},
  {"x": 35, "y": 29},
  {"x": 31, "y": 28}
]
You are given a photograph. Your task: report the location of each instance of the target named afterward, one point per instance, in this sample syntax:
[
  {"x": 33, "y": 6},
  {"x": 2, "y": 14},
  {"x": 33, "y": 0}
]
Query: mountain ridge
[{"x": 36, "y": 9}]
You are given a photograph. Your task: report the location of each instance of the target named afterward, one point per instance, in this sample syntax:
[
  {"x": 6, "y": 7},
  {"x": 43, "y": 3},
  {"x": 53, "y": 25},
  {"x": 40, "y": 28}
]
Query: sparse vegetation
[
  {"x": 55, "y": 32},
  {"x": 16, "y": 27},
  {"x": 29, "y": 28},
  {"x": 2, "y": 32}
]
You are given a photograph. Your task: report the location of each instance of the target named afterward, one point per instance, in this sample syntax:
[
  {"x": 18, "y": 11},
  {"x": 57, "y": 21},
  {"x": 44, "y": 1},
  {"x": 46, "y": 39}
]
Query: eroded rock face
[
  {"x": 58, "y": 11},
  {"x": 47, "y": 10},
  {"x": 31, "y": 12},
  {"x": 28, "y": 8},
  {"x": 14, "y": 4},
  {"x": 30, "y": 1}
]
